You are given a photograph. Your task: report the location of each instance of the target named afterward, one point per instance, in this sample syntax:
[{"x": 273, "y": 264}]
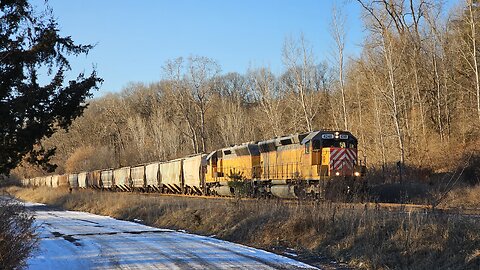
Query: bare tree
[
  {"x": 472, "y": 23},
  {"x": 114, "y": 111},
  {"x": 201, "y": 79},
  {"x": 232, "y": 109},
  {"x": 435, "y": 41},
  {"x": 337, "y": 29},
  {"x": 378, "y": 111},
  {"x": 181, "y": 99},
  {"x": 299, "y": 60},
  {"x": 380, "y": 23},
  {"x": 265, "y": 89}
]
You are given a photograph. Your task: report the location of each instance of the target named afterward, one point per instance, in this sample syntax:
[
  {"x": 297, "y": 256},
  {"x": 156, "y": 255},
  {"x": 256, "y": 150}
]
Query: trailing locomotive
[{"x": 296, "y": 166}]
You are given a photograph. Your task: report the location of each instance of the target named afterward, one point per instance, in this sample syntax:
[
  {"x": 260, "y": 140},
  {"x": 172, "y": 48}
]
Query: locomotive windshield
[
  {"x": 337, "y": 140},
  {"x": 339, "y": 144},
  {"x": 317, "y": 144}
]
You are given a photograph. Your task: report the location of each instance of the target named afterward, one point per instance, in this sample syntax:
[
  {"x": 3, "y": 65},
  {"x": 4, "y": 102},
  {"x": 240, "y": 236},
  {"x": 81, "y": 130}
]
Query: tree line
[{"x": 412, "y": 96}]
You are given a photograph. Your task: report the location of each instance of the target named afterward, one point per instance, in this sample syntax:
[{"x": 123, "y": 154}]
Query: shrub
[
  {"x": 471, "y": 174},
  {"x": 241, "y": 186},
  {"x": 17, "y": 234}
]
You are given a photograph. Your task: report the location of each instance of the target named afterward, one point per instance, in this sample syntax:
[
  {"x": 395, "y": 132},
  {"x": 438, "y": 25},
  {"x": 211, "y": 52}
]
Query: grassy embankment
[{"x": 365, "y": 237}]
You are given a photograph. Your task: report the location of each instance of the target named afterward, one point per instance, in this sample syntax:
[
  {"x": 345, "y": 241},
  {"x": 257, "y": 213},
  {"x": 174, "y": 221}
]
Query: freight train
[{"x": 306, "y": 165}]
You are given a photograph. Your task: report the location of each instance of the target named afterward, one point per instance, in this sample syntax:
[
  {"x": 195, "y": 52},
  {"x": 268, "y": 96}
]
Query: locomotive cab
[{"x": 334, "y": 153}]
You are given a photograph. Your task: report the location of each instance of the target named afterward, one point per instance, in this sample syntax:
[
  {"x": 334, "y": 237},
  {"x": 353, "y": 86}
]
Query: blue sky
[{"x": 135, "y": 38}]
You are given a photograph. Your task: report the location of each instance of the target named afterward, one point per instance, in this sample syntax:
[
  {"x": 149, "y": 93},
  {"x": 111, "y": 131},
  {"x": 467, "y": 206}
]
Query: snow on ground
[{"x": 78, "y": 240}]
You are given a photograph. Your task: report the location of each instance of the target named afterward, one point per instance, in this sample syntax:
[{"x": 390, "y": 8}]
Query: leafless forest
[{"x": 412, "y": 96}]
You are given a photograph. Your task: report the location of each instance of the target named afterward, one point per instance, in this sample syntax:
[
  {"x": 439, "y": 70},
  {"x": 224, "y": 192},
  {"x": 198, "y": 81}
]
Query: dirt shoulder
[{"x": 333, "y": 236}]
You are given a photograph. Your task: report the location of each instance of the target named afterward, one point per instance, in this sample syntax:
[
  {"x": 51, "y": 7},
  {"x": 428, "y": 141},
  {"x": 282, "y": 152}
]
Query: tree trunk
[{"x": 474, "y": 54}]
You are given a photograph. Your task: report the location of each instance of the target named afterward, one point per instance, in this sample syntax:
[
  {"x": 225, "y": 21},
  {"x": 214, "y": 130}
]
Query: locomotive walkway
[{"x": 78, "y": 240}]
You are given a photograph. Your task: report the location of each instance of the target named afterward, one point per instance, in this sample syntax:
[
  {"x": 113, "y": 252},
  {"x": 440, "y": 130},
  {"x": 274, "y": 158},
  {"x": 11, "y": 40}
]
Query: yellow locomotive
[{"x": 299, "y": 165}]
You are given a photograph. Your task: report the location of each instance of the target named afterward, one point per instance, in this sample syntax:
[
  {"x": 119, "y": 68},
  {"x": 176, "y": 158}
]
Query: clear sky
[{"x": 135, "y": 38}]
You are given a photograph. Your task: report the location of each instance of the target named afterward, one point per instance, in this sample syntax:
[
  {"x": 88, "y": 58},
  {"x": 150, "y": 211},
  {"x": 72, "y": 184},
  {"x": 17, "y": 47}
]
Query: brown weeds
[{"x": 464, "y": 198}]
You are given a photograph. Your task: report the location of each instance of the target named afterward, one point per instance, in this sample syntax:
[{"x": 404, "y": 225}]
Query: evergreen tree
[{"x": 30, "y": 43}]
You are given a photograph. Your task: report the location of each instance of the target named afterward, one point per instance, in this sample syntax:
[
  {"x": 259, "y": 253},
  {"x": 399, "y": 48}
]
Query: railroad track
[{"x": 391, "y": 207}]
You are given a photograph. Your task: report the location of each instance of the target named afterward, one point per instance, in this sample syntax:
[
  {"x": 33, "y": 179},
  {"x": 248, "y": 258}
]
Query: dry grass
[
  {"x": 366, "y": 237},
  {"x": 464, "y": 198}
]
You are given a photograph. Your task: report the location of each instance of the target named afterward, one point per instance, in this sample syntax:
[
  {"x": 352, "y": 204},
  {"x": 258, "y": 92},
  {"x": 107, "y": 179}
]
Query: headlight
[
  {"x": 356, "y": 173},
  {"x": 337, "y": 173}
]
